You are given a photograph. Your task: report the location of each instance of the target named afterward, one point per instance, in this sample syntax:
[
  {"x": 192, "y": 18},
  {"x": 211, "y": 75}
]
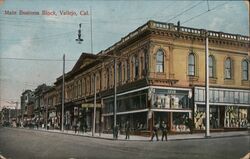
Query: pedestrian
[
  {"x": 164, "y": 131},
  {"x": 78, "y": 126},
  {"x": 116, "y": 130},
  {"x": 127, "y": 130},
  {"x": 155, "y": 131},
  {"x": 75, "y": 126}
]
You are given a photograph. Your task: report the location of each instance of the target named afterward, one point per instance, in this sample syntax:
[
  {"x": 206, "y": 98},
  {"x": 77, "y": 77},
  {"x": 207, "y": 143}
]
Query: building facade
[
  {"x": 40, "y": 108},
  {"x": 27, "y": 106},
  {"x": 160, "y": 76}
]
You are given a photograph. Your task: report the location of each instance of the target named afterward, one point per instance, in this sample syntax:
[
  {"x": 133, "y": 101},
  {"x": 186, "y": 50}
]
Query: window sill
[
  {"x": 228, "y": 81},
  {"x": 193, "y": 78},
  {"x": 213, "y": 80},
  {"x": 245, "y": 82},
  {"x": 160, "y": 73}
]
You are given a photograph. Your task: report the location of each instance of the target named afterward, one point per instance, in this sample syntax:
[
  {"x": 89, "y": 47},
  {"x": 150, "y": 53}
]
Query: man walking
[
  {"x": 127, "y": 130},
  {"x": 155, "y": 131},
  {"x": 116, "y": 131},
  {"x": 164, "y": 131}
]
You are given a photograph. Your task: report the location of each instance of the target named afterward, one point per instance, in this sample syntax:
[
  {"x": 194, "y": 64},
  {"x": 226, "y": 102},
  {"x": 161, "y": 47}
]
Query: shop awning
[{"x": 91, "y": 105}]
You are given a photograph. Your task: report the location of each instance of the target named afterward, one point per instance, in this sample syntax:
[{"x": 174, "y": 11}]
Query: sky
[{"x": 50, "y": 36}]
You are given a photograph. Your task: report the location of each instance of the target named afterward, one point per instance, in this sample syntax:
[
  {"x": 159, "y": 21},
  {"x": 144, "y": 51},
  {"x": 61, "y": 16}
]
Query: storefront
[
  {"x": 228, "y": 108},
  {"x": 149, "y": 105},
  {"x": 131, "y": 106},
  {"x": 173, "y": 106}
]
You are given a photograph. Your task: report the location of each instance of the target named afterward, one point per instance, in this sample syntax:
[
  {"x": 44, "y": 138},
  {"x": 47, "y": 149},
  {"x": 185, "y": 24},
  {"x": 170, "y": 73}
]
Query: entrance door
[{"x": 222, "y": 116}]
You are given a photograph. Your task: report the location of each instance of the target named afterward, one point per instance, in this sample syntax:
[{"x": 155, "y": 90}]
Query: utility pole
[
  {"x": 62, "y": 120},
  {"x": 207, "y": 87},
  {"x": 114, "y": 98},
  {"x": 91, "y": 30},
  {"x": 16, "y": 112},
  {"x": 94, "y": 116},
  {"x": 46, "y": 122}
]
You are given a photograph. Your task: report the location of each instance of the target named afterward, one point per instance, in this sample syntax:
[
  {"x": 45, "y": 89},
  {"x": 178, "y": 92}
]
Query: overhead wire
[
  {"x": 48, "y": 36},
  {"x": 179, "y": 14},
  {"x": 209, "y": 10},
  {"x": 34, "y": 59}
]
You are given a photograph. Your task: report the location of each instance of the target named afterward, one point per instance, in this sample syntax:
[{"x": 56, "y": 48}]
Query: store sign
[
  {"x": 170, "y": 91},
  {"x": 91, "y": 105}
]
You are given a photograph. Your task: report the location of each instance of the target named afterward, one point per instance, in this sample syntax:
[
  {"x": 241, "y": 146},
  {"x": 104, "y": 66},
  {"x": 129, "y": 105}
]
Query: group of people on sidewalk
[
  {"x": 164, "y": 129},
  {"x": 127, "y": 130}
]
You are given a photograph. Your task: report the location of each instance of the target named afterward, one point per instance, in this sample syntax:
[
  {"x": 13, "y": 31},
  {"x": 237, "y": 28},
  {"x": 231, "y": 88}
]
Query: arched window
[
  {"x": 136, "y": 66},
  {"x": 128, "y": 70},
  {"x": 124, "y": 70},
  {"x": 228, "y": 68},
  {"x": 145, "y": 61},
  {"x": 244, "y": 70},
  {"x": 79, "y": 88},
  {"x": 92, "y": 83},
  {"x": 191, "y": 64},
  {"x": 107, "y": 78},
  {"x": 211, "y": 66},
  {"x": 119, "y": 68},
  {"x": 83, "y": 87},
  {"x": 159, "y": 61}
]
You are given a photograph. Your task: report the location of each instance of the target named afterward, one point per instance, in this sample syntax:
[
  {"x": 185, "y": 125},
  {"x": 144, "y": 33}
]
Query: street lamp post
[
  {"x": 63, "y": 84},
  {"x": 94, "y": 116}
]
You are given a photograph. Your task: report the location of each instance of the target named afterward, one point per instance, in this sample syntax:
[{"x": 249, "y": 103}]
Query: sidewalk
[{"x": 142, "y": 138}]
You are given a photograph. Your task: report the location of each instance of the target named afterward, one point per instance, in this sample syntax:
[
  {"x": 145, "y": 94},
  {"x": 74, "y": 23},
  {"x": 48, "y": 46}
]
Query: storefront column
[
  {"x": 171, "y": 120},
  {"x": 218, "y": 122},
  {"x": 248, "y": 114},
  {"x": 151, "y": 121}
]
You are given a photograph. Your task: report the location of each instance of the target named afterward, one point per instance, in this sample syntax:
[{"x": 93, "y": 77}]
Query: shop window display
[
  {"x": 199, "y": 117},
  {"x": 179, "y": 122},
  {"x": 235, "y": 117},
  {"x": 171, "y": 101}
]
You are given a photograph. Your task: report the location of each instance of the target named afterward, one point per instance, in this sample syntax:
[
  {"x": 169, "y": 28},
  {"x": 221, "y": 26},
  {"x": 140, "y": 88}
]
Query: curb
[{"x": 105, "y": 138}]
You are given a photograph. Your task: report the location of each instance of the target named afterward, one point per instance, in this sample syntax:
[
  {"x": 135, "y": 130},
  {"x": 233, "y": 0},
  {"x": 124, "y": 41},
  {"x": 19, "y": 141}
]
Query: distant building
[
  {"x": 39, "y": 107},
  {"x": 27, "y": 105},
  {"x": 9, "y": 115}
]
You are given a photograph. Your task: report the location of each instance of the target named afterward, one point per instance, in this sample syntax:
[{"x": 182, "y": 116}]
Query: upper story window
[
  {"x": 88, "y": 85},
  {"x": 83, "y": 86},
  {"x": 92, "y": 83},
  {"x": 211, "y": 66},
  {"x": 244, "y": 70},
  {"x": 145, "y": 61},
  {"x": 75, "y": 90},
  {"x": 136, "y": 66},
  {"x": 159, "y": 61},
  {"x": 79, "y": 88},
  {"x": 128, "y": 70},
  {"x": 107, "y": 77},
  {"x": 191, "y": 64},
  {"x": 228, "y": 68},
  {"x": 119, "y": 68},
  {"x": 97, "y": 80},
  {"x": 124, "y": 70}
]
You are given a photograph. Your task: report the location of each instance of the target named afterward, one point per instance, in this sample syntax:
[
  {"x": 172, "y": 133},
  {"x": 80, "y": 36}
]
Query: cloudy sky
[{"x": 49, "y": 37}]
